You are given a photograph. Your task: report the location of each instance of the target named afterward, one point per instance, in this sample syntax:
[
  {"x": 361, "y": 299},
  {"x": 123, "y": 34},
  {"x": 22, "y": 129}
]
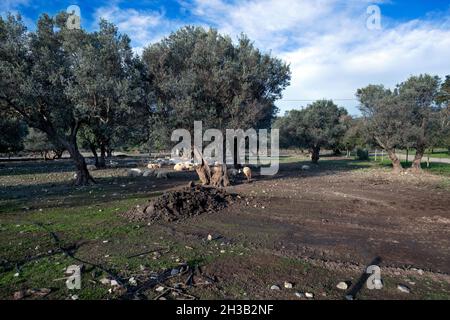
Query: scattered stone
[
  {"x": 174, "y": 272},
  {"x": 132, "y": 281},
  {"x": 19, "y": 295},
  {"x": 105, "y": 281},
  {"x": 209, "y": 237},
  {"x": 288, "y": 285},
  {"x": 349, "y": 297},
  {"x": 16, "y": 274},
  {"x": 342, "y": 285},
  {"x": 159, "y": 289},
  {"x": 74, "y": 297},
  {"x": 403, "y": 288},
  {"x": 299, "y": 295},
  {"x": 274, "y": 287},
  {"x": 309, "y": 295},
  {"x": 114, "y": 283}
]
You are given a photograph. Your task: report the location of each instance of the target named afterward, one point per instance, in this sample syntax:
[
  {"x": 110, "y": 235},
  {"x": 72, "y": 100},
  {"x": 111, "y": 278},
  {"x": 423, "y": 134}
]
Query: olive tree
[
  {"x": 320, "y": 125},
  {"x": 385, "y": 119},
  {"x": 419, "y": 95},
  {"x": 202, "y": 75}
]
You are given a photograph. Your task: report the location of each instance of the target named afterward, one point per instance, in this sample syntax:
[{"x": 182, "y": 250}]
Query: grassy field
[
  {"x": 436, "y": 153},
  {"x": 37, "y": 202}
]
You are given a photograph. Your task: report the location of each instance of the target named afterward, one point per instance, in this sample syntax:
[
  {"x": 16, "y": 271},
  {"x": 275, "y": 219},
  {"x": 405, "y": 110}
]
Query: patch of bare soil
[{"x": 181, "y": 204}]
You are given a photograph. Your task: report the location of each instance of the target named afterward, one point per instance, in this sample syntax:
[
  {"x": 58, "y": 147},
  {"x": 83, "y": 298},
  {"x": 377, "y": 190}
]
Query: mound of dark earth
[{"x": 182, "y": 204}]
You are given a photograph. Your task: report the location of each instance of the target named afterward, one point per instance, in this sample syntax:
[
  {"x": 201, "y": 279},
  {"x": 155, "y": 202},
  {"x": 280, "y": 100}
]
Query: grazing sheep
[
  {"x": 248, "y": 173},
  {"x": 179, "y": 167},
  {"x": 135, "y": 172},
  {"x": 305, "y": 167},
  {"x": 154, "y": 166}
]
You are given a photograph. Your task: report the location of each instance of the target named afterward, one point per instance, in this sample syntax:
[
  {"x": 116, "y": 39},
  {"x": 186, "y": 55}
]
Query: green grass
[
  {"x": 437, "y": 153},
  {"x": 434, "y": 168}
]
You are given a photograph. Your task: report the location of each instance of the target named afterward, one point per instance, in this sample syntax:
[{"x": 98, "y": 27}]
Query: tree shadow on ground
[{"x": 107, "y": 189}]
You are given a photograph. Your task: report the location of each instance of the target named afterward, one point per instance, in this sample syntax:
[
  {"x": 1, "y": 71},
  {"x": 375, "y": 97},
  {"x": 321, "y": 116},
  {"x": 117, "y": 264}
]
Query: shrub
[{"x": 362, "y": 154}]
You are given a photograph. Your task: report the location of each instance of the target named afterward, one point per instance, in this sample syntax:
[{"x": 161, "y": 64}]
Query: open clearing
[{"x": 310, "y": 228}]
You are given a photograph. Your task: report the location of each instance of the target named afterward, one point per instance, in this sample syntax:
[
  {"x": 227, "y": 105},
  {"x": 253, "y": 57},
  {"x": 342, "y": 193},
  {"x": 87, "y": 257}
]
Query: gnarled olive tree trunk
[
  {"x": 315, "y": 151},
  {"x": 416, "y": 164},
  {"x": 217, "y": 177},
  {"x": 396, "y": 164}
]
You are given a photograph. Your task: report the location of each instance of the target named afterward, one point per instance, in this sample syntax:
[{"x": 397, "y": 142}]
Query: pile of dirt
[{"x": 182, "y": 204}]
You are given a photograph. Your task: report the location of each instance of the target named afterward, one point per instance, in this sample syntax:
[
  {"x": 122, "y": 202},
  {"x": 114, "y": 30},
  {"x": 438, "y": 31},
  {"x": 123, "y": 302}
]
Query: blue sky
[{"x": 331, "y": 50}]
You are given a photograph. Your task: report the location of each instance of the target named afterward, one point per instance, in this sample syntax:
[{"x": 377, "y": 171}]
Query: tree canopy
[
  {"x": 320, "y": 125},
  {"x": 200, "y": 74}
]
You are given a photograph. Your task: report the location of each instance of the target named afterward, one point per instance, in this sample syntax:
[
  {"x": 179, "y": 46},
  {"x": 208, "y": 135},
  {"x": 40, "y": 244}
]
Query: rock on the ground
[
  {"x": 403, "y": 288},
  {"x": 342, "y": 285},
  {"x": 274, "y": 287},
  {"x": 114, "y": 283},
  {"x": 309, "y": 295},
  {"x": 288, "y": 285},
  {"x": 299, "y": 295}
]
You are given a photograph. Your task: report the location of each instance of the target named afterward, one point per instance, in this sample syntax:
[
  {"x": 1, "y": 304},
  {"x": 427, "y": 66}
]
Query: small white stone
[
  {"x": 288, "y": 285},
  {"x": 342, "y": 285},
  {"x": 16, "y": 274},
  {"x": 274, "y": 287},
  {"x": 309, "y": 295},
  {"x": 114, "y": 283},
  {"x": 132, "y": 281},
  {"x": 105, "y": 281},
  {"x": 299, "y": 295},
  {"x": 403, "y": 288},
  {"x": 160, "y": 289},
  {"x": 74, "y": 297},
  {"x": 209, "y": 237}
]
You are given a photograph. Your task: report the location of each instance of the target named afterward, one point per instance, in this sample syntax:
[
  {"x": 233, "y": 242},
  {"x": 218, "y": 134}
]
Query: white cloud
[
  {"x": 330, "y": 50},
  {"x": 143, "y": 27},
  {"x": 326, "y": 42}
]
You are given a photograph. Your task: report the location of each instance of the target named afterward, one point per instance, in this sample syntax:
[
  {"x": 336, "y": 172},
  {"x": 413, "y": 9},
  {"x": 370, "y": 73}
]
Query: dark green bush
[{"x": 362, "y": 154}]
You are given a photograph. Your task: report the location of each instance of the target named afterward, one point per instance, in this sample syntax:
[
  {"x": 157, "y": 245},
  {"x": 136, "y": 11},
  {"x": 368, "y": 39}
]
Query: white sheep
[
  {"x": 179, "y": 167},
  {"x": 248, "y": 173},
  {"x": 154, "y": 166}
]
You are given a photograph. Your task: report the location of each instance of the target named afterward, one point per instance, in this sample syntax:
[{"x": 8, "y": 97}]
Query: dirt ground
[{"x": 310, "y": 228}]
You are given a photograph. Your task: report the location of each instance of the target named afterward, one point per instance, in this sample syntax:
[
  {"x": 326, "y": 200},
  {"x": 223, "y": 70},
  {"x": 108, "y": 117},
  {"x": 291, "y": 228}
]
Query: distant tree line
[
  {"x": 416, "y": 114},
  {"x": 66, "y": 89}
]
